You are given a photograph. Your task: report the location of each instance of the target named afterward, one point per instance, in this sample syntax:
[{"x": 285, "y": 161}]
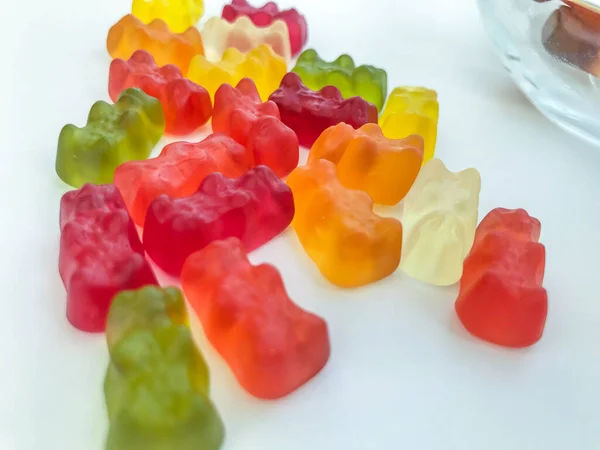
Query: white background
[{"x": 403, "y": 373}]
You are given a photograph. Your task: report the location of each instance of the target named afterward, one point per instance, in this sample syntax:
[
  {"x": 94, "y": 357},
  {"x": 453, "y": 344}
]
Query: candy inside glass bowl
[{"x": 552, "y": 50}]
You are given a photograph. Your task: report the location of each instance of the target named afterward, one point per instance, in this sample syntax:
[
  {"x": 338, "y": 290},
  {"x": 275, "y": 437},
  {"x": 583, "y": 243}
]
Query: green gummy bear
[
  {"x": 125, "y": 131},
  {"x": 156, "y": 386},
  {"x": 368, "y": 82}
]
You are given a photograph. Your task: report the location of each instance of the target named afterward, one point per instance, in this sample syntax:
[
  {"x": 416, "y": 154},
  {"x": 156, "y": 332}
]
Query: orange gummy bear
[
  {"x": 130, "y": 34},
  {"x": 350, "y": 244},
  {"x": 271, "y": 344},
  {"x": 367, "y": 160}
]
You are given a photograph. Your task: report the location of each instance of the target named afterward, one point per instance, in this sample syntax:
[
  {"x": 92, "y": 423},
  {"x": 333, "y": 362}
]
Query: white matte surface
[{"x": 403, "y": 373}]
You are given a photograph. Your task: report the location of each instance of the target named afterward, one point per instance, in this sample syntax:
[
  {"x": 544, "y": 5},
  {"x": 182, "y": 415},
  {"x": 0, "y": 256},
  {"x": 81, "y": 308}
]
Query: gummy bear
[
  {"x": 261, "y": 64},
  {"x": 366, "y": 160},
  {"x": 130, "y": 34},
  {"x": 309, "y": 113},
  {"x": 240, "y": 114},
  {"x": 572, "y": 34},
  {"x": 367, "y": 82},
  {"x": 218, "y": 35},
  {"x": 127, "y": 130},
  {"x": 412, "y": 110},
  {"x": 266, "y": 15},
  {"x": 254, "y": 208},
  {"x": 156, "y": 385},
  {"x": 100, "y": 254},
  {"x": 350, "y": 244},
  {"x": 179, "y": 15},
  {"x": 440, "y": 216},
  {"x": 186, "y": 105},
  {"x": 501, "y": 297},
  {"x": 272, "y": 346},
  {"x": 178, "y": 171}
]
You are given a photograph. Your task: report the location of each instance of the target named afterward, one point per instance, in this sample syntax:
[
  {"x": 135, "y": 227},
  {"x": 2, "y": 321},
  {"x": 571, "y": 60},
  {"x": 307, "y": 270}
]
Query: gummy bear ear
[
  {"x": 292, "y": 80},
  {"x": 170, "y": 71},
  {"x": 332, "y": 93},
  {"x": 100, "y": 110},
  {"x": 415, "y": 141},
  {"x": 434, "y": 168},
  {"x": 159, "y": 25},
  {"x": 278, "y": 39},
  {"x": 233, "y": 55},
  {"x": 142, "y": 57},
  {"x": 345, "y": 61},
  {"x": 470, "y": 177},
  {"x": 332, "y": 143},
  {"x": 431, "y": 107},
  {"x": 215, "y": 183},
  {"x": 310, "y": 55},
  {"x": 247, "y": 87}
]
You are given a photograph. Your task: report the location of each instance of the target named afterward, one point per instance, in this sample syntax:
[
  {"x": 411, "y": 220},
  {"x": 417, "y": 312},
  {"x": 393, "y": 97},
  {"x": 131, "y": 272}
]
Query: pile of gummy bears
[{"x": 204, "y": 205}]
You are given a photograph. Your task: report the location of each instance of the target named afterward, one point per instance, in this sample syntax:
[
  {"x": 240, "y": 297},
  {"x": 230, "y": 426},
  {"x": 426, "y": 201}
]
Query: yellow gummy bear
[
  {"x": 178, "y": 14},
  {"x": 412, "y": 110},
  {"x": 261, "y": 64},
  {"x": 219, "y": 35},
  {"x": 440, "y": 217}
]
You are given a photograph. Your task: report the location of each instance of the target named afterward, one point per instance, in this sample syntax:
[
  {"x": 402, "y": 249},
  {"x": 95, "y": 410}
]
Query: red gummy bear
[
  {"x": 501, "y": 298},
  {"x": 100, "y": 254},
  {"x": 178, "y": 171},
  {"x": 186, "y": 105},
  {"x": 254, "y": 208},
  {"x": 240, "y": 113},
  {"x": 309, "y": 112},
  {"x": 271, "y": 344},
  {"x": 266, "y": 15}
]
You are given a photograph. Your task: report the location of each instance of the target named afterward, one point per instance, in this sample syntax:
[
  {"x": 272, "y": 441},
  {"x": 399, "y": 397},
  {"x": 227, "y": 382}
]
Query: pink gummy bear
[
  {"x": 254, "y": 208},
  {"x": 266, "y": 15},
  {"x": 100, "y": 254},
  {"x": 309, "y": 112}
]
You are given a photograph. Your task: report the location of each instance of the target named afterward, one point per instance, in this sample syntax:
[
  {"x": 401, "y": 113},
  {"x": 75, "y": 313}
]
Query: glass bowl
[{"x": 552, "y": 50}]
